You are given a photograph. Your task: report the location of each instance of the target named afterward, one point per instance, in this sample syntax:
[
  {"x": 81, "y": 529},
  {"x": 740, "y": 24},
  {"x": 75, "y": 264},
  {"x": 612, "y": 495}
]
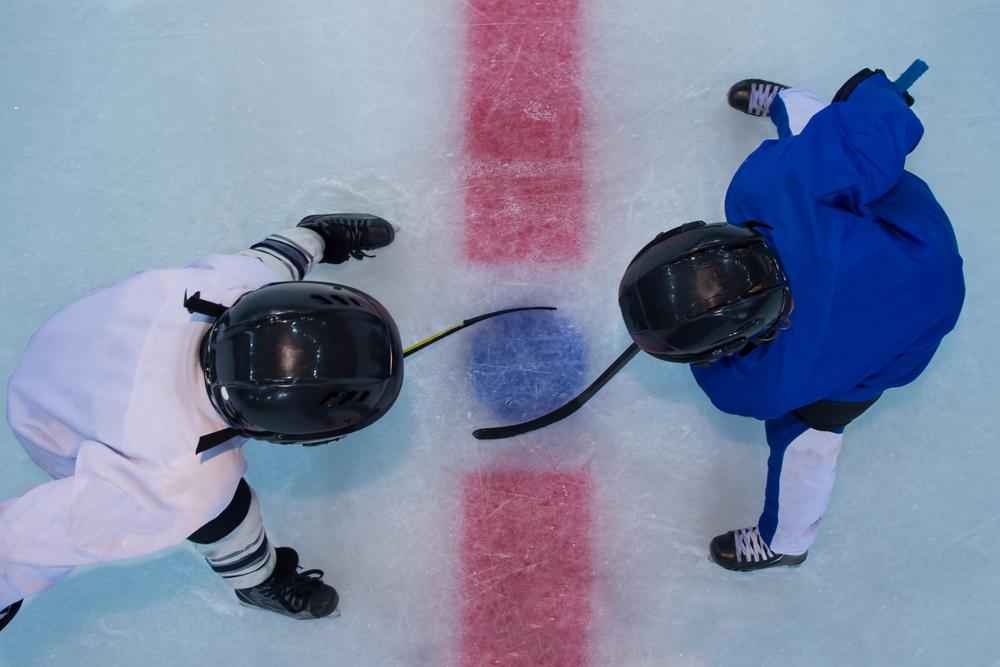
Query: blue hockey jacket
[{"x": 870, "y": 256}]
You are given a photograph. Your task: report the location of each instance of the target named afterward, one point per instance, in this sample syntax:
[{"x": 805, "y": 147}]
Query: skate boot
[
  {"x": 754, "y": 96},
  {"x": 349, "y": 234},
  {"x": 744, "y": 550},
  {"x": 287, "y": 591}
]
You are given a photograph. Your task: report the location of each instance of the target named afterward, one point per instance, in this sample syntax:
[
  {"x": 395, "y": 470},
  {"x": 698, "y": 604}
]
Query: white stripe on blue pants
[
  {"x": 791, "y": 110},
  {"x": 801, "y": 471}
]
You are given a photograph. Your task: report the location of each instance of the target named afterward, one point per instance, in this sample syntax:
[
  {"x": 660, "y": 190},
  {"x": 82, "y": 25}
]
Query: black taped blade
[{"x": 501, "y": 432}]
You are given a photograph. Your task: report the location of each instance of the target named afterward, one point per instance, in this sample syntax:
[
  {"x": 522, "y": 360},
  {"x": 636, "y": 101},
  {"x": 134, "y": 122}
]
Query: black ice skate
[
  {"x": 349, "y": 234},
  {"x": 744, "y": 550},
  {"x": 754, "y": 96},
  {"x": 301, "y": 595}
]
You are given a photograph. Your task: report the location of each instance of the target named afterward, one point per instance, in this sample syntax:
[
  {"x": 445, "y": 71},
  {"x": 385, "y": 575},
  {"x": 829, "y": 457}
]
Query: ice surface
[
  {"x": 527, "y": 364},
  {"x": 146, "y": 134},
  {"x": 523, "y": 132},
  {"x": 527, "y": 566}
]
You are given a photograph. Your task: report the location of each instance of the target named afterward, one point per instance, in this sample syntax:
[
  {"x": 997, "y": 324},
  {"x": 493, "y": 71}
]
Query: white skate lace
[
  {"x": 750, "y": 547},
  {"x": 761, "y": 97}
]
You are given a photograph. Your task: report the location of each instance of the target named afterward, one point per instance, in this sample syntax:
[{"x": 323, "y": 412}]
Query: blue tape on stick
[{"x": 912, "y": 73}]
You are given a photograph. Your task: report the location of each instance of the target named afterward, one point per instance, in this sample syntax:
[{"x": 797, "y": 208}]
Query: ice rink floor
[{"x": 140, "y": 135}]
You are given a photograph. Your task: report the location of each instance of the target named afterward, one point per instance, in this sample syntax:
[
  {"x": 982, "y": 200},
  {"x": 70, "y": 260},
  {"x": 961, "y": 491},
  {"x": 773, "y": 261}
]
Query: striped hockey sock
[{"x": 244, "y": 557}]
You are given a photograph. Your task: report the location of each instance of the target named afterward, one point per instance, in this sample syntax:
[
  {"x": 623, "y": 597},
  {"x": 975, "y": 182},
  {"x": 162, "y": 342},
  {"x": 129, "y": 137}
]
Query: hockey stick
[
  {"x": 7, "y": 614},
  {"x": 416, "y": 347},
  {"x": 500, "y": 432}
]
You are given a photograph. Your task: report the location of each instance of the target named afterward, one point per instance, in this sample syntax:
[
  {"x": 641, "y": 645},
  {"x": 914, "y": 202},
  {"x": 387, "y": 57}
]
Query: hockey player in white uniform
[{"x": 137, "y": 400}]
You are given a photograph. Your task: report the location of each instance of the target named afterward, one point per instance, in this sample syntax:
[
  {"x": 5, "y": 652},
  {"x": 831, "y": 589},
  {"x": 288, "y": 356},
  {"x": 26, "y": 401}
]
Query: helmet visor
[
  {"x": 704, "y": 282},
  {"x": 300, "y": 353}
]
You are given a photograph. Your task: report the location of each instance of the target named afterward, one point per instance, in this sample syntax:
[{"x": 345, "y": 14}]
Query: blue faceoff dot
[{"x": 525, "y": 364}]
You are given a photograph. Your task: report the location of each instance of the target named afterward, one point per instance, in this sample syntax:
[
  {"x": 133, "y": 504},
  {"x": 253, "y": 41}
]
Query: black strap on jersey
[
  {"x": 195, "y": 304},
  {"x": 500, "y": 432},
  {"x": 207, "y": 442}
]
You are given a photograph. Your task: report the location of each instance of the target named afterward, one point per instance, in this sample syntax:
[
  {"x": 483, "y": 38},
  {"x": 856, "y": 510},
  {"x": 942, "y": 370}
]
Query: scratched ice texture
[
  {"x": 145, "y": 134},
  {"x": 526, "y": 364}
]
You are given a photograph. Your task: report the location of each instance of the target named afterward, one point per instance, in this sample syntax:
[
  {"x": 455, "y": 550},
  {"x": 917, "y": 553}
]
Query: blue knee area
[{"x": 525, "y": 364}]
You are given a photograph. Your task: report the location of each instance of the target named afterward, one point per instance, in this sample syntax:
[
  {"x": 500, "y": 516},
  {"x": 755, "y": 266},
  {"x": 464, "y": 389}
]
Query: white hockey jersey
[{"x": 109, "y": 399}]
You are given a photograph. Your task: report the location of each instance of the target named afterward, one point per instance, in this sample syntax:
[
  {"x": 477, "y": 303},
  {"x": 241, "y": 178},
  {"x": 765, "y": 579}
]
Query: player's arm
[
  {"x": 30, "y": 527},
  {"x": 850, "y": 154},
  {"x": 854, "y": 152},
  {"x": 113, "y": 507},
  {"x": 766, "y": 383}
]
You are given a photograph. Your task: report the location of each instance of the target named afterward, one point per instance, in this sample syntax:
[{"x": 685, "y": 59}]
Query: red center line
[
  {"x": 526, "y": 535},
  {"x": 528, "y": 568},
  {"x": 524, "y": 147}
]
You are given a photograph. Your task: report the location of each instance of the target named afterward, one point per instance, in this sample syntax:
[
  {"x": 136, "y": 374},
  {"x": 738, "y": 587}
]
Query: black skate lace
[
  {"x": 295, "y": 589},
  {"x": 354, "y": 236}
]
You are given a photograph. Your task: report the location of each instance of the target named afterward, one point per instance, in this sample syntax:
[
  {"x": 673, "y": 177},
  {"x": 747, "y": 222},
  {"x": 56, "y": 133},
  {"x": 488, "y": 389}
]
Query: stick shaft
[{"x": 416, "y": 347}]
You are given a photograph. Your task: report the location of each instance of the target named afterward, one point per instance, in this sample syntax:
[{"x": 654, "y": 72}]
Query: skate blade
[{"x": 301, "y": 616}]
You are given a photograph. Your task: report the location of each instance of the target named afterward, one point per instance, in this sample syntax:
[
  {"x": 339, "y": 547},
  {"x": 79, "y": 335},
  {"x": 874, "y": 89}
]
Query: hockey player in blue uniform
[
  {"x": 834, "y": 280},
  {"x": 119, "y": 396}
]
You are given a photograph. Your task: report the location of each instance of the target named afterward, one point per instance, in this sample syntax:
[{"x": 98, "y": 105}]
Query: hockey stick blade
[
  {"x": 501, "y": 432},
  {"x": 7, "y": 614}
]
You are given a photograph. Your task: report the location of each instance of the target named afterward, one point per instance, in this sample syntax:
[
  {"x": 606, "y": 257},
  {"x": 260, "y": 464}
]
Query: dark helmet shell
[
  {"x": 303, "y": 362},
  {"x": 702, "y": 291}
]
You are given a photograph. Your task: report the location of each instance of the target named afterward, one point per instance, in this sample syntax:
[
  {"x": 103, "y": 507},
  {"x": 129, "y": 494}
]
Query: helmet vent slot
[
  {"x": 331, "y": 298},
  {"x": 342, "y": 397}
]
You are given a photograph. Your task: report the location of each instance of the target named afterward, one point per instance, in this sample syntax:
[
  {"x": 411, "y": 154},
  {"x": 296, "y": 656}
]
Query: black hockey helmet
[
  {"x": 701, "y": 292},
  {"x": 300, "y": 362}
]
